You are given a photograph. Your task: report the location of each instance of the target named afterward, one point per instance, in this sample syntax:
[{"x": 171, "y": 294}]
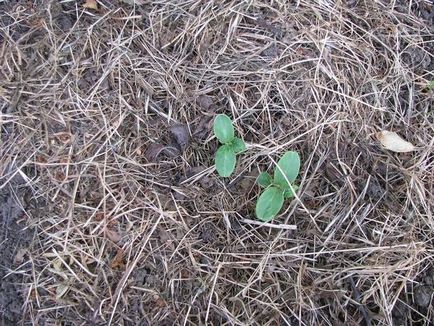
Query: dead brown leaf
[
  {"x": 99, "y": 216},
  {"x": 159, "y": 302},
  {"x": 90, "y": 4},
  {"x": 393, "y": 142},
  {"x": 60, "y": 176},
  {"x": 206, "y": 102},
  {"x": 64, "y": 137},
  {"x": 118, "y": 260},
  {"x": 40, "y": 159},
  {"x": 180, "y": 135},
  {"x": 152, "y": 151}
]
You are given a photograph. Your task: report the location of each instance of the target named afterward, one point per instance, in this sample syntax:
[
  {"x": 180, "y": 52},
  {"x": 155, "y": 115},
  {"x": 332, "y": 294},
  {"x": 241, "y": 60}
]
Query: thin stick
[{"x": 270, "y": 225}]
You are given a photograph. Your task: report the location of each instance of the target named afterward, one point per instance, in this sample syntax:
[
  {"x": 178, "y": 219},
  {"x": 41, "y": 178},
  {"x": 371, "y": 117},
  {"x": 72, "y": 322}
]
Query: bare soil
[{"x": 15, "y": 239}]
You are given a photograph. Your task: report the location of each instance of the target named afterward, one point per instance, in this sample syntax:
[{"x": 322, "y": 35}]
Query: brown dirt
[
  {"x": 15, "y": 240},
  {"x": 111, "y": 210}
]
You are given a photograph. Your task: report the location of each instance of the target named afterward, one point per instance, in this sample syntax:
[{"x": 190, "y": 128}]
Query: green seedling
[
  {"x": 279, "y": 187},
  {"x": 225, "y": 157}
]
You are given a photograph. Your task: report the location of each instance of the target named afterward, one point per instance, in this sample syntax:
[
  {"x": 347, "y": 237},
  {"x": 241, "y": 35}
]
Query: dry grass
[{"x": 125, "y": 240}]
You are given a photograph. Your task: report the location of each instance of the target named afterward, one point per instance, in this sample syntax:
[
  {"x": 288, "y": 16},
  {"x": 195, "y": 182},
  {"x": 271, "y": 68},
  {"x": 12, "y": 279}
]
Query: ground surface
[{"x": 111, "y": 211}]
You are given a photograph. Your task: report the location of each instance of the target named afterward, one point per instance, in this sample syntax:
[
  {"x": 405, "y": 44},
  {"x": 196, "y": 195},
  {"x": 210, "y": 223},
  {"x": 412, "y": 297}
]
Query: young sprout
[
  {"x": 279, "y": 187},
  {"x": 225, "y": 158}
]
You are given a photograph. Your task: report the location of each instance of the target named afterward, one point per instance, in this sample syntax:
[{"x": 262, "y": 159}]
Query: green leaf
[
  {"x": 264, "y": 179},
  {"x": 288, "y": 193},
  {"x": 431, "y": 85},
  {"x": 238, "y": 145},
  {"x": 269, "y": 204},
  {"x": 225, "y": 161},
  {"x": 287, "y": 169},
  {"x": 223, "y": 128}
]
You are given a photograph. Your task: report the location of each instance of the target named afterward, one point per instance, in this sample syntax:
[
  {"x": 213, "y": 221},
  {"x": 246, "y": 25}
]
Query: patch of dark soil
[
  {"x": 208, "y": 233},
  {"x": 14, "y": 239},
  {"x": 412, "y": 306},
  {"x": 422, "y": 9}
]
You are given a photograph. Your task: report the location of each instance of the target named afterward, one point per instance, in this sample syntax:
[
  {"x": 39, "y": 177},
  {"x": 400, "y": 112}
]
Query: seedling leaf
[
  {"x": 269, "y": 204},
  {"x": 225, "y": 161},
  {"x": 287, "y": 169},
  {"x": 238, "y": 145},
  {"x": 264, "y": 179},
  {"x": 288, "y": 193},
  {"x": 223, "y": 128}
]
